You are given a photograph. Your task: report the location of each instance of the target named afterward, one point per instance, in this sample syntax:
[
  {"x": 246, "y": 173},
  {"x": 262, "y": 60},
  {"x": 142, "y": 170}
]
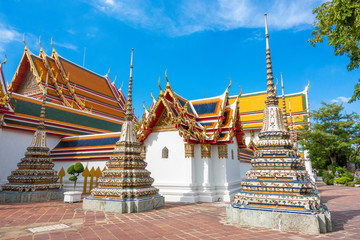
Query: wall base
[
  {"x": 29, "y": 197},
  {"x": 123, "y": 206},
  {"x": 306, "y": 223}
]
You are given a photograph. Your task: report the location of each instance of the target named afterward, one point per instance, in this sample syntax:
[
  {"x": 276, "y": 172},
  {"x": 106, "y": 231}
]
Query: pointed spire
[
  {"x": 284, "y": 105},
  {"x": 291, "y": 122},
  {"x": 129, "y": 112},
  {"x": 3, "y": 61},
  {"x": 161, "y": 92},
  {"x": 271, "y": 94},
  {"x": 26, "y": 48},
  {"x": 39, "y": 138},
  {"x": 53, "y": 51},
  {"x": 167, "y": 80},
  {"x": 41, "y": 48}
]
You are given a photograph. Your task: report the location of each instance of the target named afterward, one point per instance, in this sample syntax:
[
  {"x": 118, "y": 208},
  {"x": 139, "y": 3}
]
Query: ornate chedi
[
  {"x": 35, "y": 172},
  {"x": 278, "y": 192},
  {"x": 125, "y": 186}
]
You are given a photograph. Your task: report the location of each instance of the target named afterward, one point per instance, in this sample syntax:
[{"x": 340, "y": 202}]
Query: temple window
[{"x": 165, "y": 153}]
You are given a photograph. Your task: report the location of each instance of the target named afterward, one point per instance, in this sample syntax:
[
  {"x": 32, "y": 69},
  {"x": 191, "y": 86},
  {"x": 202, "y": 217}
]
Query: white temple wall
[
  {"x": 193, "y": 179},
  {"x": 174, "y": 175},
  {"x": 13, "y": 144}
]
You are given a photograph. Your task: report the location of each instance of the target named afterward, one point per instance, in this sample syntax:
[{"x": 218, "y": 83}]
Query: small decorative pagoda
[
  {"x": 125, "y": 186},
  {"x": 278, "y": 192},
  {"x": 34, "y": 180}
]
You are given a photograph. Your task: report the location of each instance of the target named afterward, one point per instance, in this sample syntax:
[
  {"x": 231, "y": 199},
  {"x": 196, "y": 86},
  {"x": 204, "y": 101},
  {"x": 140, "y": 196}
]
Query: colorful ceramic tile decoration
[
  {"x": 278, "y": 181},
  {"x": 35, "y": 171},
  {"x": 125, "y": 178}
]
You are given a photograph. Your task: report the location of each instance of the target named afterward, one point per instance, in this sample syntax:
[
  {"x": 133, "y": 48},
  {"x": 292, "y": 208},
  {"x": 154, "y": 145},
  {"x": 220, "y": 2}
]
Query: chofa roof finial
[{"x": 26, "y": 48}]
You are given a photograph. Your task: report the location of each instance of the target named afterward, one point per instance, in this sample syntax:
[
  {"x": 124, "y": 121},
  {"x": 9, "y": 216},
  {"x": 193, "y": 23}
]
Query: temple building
[
  {"x": 278, "y": 192},
  {"x": 79, "y": 102},
  {"x": 196, "y": 150}
]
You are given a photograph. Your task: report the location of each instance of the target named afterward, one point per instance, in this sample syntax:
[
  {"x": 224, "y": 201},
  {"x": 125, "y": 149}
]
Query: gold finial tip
[{"x": 3, "y": 61}]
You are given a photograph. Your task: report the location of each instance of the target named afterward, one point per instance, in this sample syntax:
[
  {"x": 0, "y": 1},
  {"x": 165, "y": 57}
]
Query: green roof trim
[{"x": 33, "y": 109}]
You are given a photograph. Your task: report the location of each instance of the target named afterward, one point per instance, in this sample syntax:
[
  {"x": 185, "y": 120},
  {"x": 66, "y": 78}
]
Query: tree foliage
[
  {"x": 339, "y": 22},
  {"x": 333, "y": 137},
  {"x": 75, "y": 171}
]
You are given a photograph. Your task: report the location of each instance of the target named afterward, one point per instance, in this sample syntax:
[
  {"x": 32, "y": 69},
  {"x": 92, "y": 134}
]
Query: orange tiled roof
[{"x": 68, "y": 85}]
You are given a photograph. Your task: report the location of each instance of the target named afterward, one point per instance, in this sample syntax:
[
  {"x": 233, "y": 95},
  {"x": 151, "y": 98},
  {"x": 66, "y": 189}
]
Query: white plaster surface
[{"x": 192, "y": 179}]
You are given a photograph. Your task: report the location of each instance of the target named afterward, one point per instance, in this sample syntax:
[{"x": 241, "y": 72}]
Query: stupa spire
[
  {"x": 271, "y": 94},
  {"x": 284, "y": 104},
  {"x": 129, "y": 112},
  {"x": 39, "y": 138},
  {"x": 125, "y": 181},
  {"x": 128, "y": 132}
]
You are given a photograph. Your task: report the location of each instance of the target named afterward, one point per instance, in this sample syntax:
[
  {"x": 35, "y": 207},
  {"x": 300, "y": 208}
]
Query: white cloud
[
  {"x": 8, "y": 35},
  {"x": 340, "y": 100},
  {"x": 189, "y": 16},
  {"x": 66, "y": 45}
]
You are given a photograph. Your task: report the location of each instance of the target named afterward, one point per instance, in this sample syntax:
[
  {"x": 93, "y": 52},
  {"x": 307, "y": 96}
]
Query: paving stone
[{"x": 174, "y": 221}]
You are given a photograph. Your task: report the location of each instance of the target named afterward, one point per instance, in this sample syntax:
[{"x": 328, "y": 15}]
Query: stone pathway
[{"x": 175, "y": 221}]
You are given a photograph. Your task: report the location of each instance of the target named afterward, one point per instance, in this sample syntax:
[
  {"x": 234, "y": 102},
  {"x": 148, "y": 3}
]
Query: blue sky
[{"x": 201, "y": 44}]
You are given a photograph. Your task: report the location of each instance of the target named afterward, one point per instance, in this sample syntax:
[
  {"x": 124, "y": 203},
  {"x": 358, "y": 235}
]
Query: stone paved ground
[{"x": 175, "y": 221}]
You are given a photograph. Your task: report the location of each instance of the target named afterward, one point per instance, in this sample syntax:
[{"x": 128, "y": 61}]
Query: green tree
[
  {"x": 332, "y": 137},
  {"x": 339, "y": 21},
  {"x": 75, "y": 171}
]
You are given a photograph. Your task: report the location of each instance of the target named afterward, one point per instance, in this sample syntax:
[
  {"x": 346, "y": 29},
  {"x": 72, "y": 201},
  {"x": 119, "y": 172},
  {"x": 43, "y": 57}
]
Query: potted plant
[{"x": 75, "y": 170}]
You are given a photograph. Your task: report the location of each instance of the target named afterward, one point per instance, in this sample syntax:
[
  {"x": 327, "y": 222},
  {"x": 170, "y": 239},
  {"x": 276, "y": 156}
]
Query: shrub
[
  {"x": 75, "y": 170},
  {"x": 330, "y": 181},
  {"x": 322, "y": 172},
  {"x": 340, "y": 170},
  {"x": 333, "y": 167},
  {"x": 343, "y": 180},
  {"x": 349, "y": 175},
  {"x": 357, "y": 181},
  {"x": 326, "y": 176},
  {"x": 350, "y": 184}
]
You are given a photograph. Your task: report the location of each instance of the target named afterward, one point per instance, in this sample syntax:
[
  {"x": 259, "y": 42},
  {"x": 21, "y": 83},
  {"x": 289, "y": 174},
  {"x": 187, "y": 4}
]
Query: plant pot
[{"x": 72, "y": 196}]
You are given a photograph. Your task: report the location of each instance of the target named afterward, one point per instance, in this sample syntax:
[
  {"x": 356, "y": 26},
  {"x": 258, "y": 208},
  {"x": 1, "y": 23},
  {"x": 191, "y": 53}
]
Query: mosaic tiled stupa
[
  {"x": 125, "y": 186},
  {"x": 277, "y": 192},
  {"x": 34, "y": 180}
]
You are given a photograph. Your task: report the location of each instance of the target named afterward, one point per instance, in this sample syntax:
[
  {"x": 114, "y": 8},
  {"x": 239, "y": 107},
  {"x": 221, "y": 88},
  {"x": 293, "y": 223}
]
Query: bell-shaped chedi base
[
  {"x": 125, "y": 186},
  {"x": 34, "y": 180}
]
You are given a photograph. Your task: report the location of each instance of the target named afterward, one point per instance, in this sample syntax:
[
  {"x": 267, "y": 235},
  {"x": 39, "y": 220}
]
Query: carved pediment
[
  {"x": 164, "y": 123},
  {"x": 29, "y": 85}
]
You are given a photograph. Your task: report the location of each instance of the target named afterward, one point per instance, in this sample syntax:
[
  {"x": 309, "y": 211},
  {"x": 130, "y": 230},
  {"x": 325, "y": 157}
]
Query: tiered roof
[
  {"x": 80, "y": 101},
  {"x": 213, "y": 120}
]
